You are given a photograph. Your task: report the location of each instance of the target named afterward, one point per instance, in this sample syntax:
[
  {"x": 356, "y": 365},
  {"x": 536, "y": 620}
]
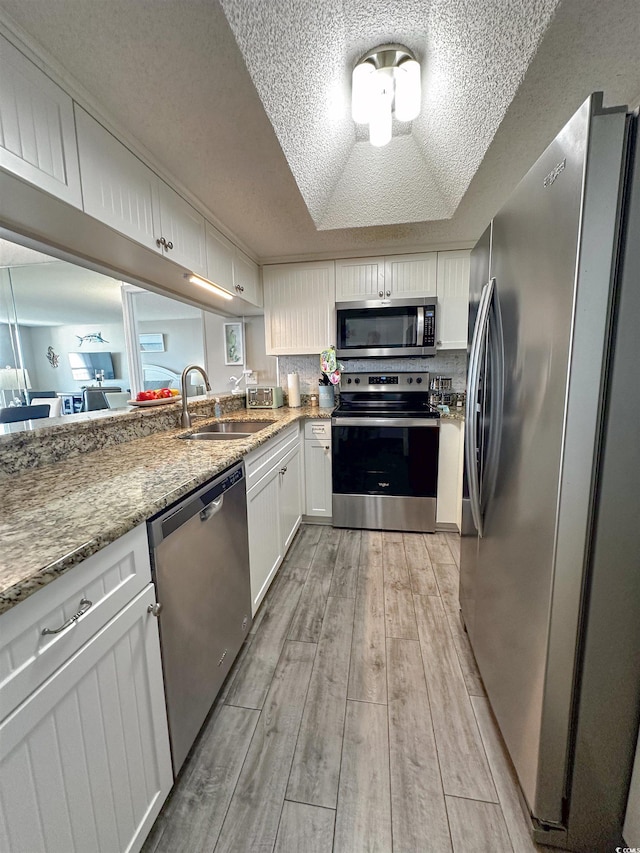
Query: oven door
[{"x": 385, "y": 472}]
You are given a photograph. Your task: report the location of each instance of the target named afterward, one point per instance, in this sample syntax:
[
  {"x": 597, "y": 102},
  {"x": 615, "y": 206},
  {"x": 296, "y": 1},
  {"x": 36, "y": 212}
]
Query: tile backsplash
[{"x": 449, "y": 363}]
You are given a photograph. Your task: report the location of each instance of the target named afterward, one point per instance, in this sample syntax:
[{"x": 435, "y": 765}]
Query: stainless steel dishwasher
[{"x": 200, "y": 556}]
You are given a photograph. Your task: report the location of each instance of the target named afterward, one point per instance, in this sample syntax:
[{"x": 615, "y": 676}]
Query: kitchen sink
[
  {"x": 234, "y": 426},
  {"x": 229, "y": 431}
]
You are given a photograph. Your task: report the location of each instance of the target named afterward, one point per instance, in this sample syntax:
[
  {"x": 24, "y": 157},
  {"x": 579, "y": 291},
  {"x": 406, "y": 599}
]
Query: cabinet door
[
  {"x": 453, "y": 299},
  {"x": 290, "y": 496},
  {"x": 448, "y": 505},
  {"x": 359, "y": 278},
  {"x": 411, "y": 275},
  {"x": 265, "y": 542},
  {"x": 246, "y": 278},
  {"x": 317, "y": 470},
  {"x": 220, "y": 256},
  {"x": 117, "y": 188},
  {"x": 37, "y": 133},
  {"x": 299, "y": 307},
  {"x": 183, "y": 226},
  {"x": 85, "y": 762}
]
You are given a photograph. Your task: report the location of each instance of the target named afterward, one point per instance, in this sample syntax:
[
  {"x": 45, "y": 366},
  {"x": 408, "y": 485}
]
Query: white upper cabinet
[
  {"x": 453, "y": 299},
  {"x": 359, "y": 278},
  {"x": 299, "y": 307},
  {"x": 182, "y": 229},
  {"x": 117, "y": 187},
  {"x": 393, "y": 277},
  {"x": 408, "y": 276},
  {"x": 246, "y": 278},
  {"x": 220, "y": 256},
  {"x": 230, "y": 268},
  {"x": 119, "y": 190},
  {"x": 37, "y": 136}
]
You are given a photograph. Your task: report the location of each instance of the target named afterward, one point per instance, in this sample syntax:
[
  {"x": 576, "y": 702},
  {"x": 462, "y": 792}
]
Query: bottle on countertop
[{"x": 217, "y": 409}]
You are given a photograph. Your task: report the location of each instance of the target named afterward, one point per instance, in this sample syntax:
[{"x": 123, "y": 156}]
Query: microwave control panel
[{"x": 429, "y": 338}]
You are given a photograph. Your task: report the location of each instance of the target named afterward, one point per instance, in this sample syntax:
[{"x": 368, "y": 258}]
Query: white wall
[
  {"x": 37, "y": 339},
  {"x": 255, "y": 356},
  {"x": 183, "y": 341}
]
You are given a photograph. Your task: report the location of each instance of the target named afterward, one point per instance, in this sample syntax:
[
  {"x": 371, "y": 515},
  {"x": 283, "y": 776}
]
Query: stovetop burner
[{"x": 400, "y": 395}]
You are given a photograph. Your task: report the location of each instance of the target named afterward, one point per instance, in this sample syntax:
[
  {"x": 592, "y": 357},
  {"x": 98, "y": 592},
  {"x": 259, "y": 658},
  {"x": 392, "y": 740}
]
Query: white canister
[{"x": 293, "y": 385}]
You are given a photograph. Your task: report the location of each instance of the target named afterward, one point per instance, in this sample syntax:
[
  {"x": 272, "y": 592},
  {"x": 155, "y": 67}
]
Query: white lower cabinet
[
  {"x": 317, "y": 469},
  {"x": 274, "y": 507},
  {"x": 85, "y": 762},
  {"x": 265, "y": 540},
  {"x": 450, "y": 461}
]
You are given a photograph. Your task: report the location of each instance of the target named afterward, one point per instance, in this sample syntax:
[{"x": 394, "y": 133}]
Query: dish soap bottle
[{"x": 217, "y": 409}]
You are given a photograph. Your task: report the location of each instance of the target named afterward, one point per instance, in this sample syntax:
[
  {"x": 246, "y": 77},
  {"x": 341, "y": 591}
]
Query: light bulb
[
  {"x": 408, "y": 93},
  {"x": 361, "y": 93},
  {"x": 381, "y": 122}
]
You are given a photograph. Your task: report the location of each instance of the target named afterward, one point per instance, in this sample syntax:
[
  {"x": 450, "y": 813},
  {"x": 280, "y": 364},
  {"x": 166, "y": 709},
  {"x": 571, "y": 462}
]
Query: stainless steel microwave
[{"x": 379, "y": 328}]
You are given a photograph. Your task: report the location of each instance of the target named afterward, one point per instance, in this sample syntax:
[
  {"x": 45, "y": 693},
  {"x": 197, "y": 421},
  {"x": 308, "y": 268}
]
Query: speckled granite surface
[{"x": 59, "y": 513}]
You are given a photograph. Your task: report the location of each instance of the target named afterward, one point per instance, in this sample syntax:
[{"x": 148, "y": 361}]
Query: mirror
[{"x": 62, "y": 338}]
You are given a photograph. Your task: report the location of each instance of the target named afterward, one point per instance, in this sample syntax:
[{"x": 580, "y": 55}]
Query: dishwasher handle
[
  {"x": 205, "y": 502},
  {"x": 211, "y": 509}
]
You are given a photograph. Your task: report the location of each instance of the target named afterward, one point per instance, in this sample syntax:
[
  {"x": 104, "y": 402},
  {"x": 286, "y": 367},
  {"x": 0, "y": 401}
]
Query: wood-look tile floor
[{"x": 354, "y": 718}]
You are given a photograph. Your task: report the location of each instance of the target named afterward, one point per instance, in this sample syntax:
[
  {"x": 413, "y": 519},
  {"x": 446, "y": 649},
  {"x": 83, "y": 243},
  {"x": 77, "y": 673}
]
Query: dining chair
[
  {"x": 55, "y": 404},
  {"x": 14, "y": 414},
  {"x": 117, "y": 399}
]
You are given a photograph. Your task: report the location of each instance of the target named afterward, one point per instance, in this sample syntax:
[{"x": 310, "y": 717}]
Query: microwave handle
[{"x": 420, "y": 326}]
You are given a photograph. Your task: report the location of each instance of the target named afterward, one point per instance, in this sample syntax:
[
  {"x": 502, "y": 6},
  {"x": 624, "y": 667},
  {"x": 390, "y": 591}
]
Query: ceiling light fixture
[
  {"x": 386, "y": 81},
  {"x": 202, "y": 282}
]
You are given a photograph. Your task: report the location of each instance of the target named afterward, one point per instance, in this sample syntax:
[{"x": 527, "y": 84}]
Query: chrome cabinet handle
[
  {"x": 239, "y": 288},
  {"x": 381, "y": 293},
  {"x": 388, "y": 293},
  {"x": 154, "y": 609},
  {"x": 327, "y": 447},
  {"x": 85, "y": 604},
  {"x": 283, "y": 471},
  {"x": 163, "y": 243},
  {"x": 169, "y": 245}
]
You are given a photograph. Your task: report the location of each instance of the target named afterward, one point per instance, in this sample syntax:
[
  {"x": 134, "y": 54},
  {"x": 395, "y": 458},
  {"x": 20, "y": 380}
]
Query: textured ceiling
[
  {"x": 171, "y": 74},
  {"x": 474, "y": 55}
]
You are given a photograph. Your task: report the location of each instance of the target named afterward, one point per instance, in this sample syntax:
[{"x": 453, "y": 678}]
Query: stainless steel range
[{"x": 385, "y": 437}]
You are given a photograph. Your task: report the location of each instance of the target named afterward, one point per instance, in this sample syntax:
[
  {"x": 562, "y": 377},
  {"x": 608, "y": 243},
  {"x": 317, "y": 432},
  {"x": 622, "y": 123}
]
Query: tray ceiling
[
  {"x": 255, "y": 132},
  {"x": 474, "y": 55}
]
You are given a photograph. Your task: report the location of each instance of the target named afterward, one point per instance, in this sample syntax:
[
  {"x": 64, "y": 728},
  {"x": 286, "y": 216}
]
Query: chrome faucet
[{"x": 186, "y": 417}]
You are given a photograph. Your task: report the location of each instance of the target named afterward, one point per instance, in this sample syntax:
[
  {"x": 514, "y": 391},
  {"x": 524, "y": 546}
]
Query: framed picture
[
  {"x": 233, "y": 343},
  {"x": 151, "y": 343}
]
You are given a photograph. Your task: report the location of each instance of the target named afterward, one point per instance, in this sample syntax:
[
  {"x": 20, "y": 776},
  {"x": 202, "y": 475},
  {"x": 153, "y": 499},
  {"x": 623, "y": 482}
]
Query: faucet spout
[{"x": 186, "y": 417}]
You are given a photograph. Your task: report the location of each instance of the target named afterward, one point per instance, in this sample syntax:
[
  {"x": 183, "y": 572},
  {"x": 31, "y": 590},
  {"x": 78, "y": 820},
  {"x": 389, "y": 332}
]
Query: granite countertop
[{"x": 56, "y": 515}]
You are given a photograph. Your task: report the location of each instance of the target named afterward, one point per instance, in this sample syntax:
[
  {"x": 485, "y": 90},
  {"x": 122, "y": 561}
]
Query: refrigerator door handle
[
  {"x": 471, "y": 432},
  {"x": 495, "y": 343}
]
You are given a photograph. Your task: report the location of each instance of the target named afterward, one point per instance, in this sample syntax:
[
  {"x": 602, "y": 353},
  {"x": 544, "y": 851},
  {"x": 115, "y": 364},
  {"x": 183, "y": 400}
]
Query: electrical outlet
[{"x": 251, "y": 380}]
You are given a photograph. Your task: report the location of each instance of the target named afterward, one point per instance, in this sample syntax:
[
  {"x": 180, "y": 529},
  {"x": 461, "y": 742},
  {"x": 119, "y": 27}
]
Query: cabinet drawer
[
  {"x": 108, "y": 579},
  {"x": 317, "y": 429},
  {"x": 259, "y": 462}
]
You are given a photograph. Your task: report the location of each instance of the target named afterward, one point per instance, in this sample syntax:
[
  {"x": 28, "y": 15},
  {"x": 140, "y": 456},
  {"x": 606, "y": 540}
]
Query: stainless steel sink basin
[
  {"x": 234, "y": 426},
  {"x": 229, "y": 431},
  {"x": 215, "y": 436}
]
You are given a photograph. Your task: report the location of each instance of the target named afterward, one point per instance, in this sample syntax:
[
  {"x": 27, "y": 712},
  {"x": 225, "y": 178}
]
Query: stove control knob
[
  {"x": 410, "y": 380},
  {"x": 348, "y": 381},
  {"x": 419, "y": 380},
  {"x": 357, "y": 381}
]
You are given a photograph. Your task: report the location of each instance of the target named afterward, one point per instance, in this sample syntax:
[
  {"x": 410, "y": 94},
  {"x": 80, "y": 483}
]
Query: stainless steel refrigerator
[{"x": 550, "y": 556}]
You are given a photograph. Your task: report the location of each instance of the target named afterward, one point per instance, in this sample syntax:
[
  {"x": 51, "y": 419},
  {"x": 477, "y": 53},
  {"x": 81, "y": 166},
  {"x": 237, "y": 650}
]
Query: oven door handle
[{"x": 423, "y": 423}]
